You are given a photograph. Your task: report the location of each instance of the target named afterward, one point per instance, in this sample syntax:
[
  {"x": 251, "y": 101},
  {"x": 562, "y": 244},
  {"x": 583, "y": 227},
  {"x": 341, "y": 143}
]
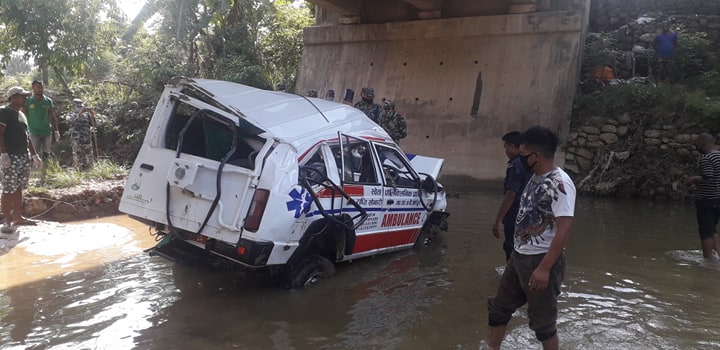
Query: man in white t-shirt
[{"x": 536, "y": 267}]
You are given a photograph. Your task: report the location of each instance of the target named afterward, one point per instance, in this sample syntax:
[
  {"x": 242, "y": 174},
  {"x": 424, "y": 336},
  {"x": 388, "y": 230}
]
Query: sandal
[{"x": 7, "y": 228}]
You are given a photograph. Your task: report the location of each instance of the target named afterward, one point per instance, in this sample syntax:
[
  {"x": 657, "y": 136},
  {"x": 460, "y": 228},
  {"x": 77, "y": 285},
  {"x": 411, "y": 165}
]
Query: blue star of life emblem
[{"x": 300, "y": 202}]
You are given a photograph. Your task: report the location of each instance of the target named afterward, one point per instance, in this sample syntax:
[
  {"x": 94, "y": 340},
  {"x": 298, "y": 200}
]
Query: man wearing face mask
[
  {"x": 516, "y": 176},
  {"x": 536, "y": 267},
  {"x": 370, "y": 108},
  {"x": 82, "y": 127}
]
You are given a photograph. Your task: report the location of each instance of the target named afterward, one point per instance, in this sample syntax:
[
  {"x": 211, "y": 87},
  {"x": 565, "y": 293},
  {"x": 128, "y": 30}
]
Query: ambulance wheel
[{"x": 310, "y": 270}]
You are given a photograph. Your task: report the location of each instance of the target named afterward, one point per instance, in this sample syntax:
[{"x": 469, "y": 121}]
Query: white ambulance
[{"x": 236, "y": 176}]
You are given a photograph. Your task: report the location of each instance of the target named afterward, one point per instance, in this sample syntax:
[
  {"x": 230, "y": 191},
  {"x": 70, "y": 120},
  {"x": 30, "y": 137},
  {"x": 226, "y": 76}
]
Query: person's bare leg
[
  {"x": 708, "y": 244},
  {"x": 6, "y": 202},
  {"x": 716, "y": 244},
  {"x": 17, "y": 206},
  {"x": 495, "y": 337},
  {"x": 552, "y": 343}
]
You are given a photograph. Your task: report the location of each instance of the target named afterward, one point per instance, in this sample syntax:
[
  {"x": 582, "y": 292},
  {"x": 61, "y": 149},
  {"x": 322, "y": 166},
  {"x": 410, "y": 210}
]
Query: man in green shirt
[
  {"x": 15, "y": 159},
  {"x": 41, "y": 121}
]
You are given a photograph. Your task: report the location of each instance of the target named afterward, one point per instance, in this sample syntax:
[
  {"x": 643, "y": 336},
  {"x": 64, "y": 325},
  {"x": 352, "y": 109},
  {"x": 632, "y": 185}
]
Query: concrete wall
[{"x": 526, "y": 64}]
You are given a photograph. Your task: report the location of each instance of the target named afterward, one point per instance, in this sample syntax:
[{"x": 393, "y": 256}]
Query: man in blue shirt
[
  {"x": 516, "y": 176},
  {"x": 665, "y": 44}
]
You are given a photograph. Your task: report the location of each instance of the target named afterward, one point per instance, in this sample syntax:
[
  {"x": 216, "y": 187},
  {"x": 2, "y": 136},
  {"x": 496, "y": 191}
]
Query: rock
[
  {"x": 609, "y": 138},
  {"x": 593, "y": 138},
  {"x": 590, "y": 130},
  {"x": 683, "y": 152},
  {"x": 653, "y": 133},
  {"x": 622, "y": 155},
  {"x": 609, "y": 128},
  {"x": 569, "y": 156},
  {"x": 34, "y": 206},
  {"x": 584, "y": 153},
  {"x": 683, "y": 138},
  {"x": 668, "y": 127},
  {"x": 622, "y": 130},
  {"x": 581, "y": 141},
  {"x": 572, "y": 168},
  {"x": 648, "y": 37},
  {"x": 624, "y": 119},
  {"x": 585, "y": 164},
  {"x": 652, "y": 142},
  {"x": 572, "y": 136},
  {"x": 594, "y": 144}
]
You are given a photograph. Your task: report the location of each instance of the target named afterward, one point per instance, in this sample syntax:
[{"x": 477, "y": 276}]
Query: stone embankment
[
  {"x": 89, "y": 200},
  {"x": 623, "y": 157}
]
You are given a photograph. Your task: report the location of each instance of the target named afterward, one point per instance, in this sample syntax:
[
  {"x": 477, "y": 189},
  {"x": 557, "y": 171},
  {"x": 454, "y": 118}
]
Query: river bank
[{"x": 89, "y": 200}]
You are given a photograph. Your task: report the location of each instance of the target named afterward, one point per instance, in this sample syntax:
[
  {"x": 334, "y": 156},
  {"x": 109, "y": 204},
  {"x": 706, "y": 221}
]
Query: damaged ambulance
[{"x": 236, "y": 176}]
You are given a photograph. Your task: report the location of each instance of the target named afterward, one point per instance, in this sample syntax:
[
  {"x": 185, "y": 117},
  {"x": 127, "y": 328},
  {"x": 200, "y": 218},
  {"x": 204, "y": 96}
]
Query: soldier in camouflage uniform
[
  {"x": 371, "y": 109},
  {"x": 393, "y": 122},
  {"x": 82, "y": 127},
  {"x": 312, "y": 93}
]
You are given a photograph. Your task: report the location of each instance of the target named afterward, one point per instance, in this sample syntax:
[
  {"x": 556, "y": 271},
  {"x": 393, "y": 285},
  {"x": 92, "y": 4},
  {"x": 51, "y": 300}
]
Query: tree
[
  {"x": 281, "y": 41},
  {"x": 58, "y": 34}
]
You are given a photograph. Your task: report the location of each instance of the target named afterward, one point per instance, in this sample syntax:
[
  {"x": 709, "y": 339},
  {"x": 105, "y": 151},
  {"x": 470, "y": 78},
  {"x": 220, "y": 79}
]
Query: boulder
[
  {"x": 622, "y": 130},
  {"x": 683, "y": 138},
  {"x": 590, "y": 130},
  {"x": 609, "y": 128},
  {"x": 609, "y": 138},
  {"x": 653, "y": 133}
]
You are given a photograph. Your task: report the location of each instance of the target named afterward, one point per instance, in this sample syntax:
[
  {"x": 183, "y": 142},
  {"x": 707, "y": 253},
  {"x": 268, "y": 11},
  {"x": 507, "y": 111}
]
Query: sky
[{"x": 131, "y": 7}]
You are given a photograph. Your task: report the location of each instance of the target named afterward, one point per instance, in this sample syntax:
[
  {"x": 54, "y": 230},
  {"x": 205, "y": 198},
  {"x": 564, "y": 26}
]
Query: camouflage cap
[
  {"x": 368, "y": 91},
  {"x": 388, "y": 105},
  {"x": 312, "y": 93}
]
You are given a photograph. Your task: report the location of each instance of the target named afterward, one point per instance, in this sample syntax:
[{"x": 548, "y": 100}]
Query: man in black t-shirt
[
  {"x": 14, "y": 158},
  {"x": 707, "y": 197}
]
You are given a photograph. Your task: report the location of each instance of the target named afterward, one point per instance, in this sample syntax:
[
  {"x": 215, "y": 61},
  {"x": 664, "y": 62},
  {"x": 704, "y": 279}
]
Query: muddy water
[{"x": 635, "y": 280}]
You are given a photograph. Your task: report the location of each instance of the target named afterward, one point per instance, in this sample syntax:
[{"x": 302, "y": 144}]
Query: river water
[{"x": 635, "y": 280}]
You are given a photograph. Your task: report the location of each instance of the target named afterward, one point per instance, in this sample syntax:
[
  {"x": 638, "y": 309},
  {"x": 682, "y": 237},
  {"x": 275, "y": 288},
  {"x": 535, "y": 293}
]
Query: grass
[{"x": 59, "y": 177}]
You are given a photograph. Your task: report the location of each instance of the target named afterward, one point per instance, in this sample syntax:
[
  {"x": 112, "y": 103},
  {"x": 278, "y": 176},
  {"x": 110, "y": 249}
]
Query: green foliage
[
  {"x": 281, "y": 43},
  {"x": 693, "y": 55},
  {"x": 61, "y": 34},
  {"x": 707, "y": 81},
  {"x": 599, "y": 51},
  {"x": 57, "y": 177}
]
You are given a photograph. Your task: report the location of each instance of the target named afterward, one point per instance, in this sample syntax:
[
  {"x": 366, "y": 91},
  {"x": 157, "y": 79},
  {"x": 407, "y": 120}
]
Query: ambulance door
[
  {"x": 403, "y": 215},
  {"x": 360, "y": 177}
]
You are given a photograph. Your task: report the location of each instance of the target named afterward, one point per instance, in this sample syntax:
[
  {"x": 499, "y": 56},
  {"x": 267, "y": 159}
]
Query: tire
[{"x": 310, "y": 270}]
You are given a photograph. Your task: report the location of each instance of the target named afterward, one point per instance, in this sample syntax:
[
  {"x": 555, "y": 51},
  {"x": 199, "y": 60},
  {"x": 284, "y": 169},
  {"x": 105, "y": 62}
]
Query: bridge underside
[
  {"x": 383, "y": 11},
  {"x": 462, "y": 77}
]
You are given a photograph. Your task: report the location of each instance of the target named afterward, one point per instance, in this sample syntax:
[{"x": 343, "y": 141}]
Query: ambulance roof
[{"x": 287, "y": 117}]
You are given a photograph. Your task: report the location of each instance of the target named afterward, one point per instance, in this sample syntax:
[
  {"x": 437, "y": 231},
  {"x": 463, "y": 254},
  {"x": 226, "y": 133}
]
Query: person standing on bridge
[
  {"x": 370, "y": 108},
  {"x": 536, "y": 267},
  {"x": 707, "y": 197},
  {"x": 516, "y": 176}
]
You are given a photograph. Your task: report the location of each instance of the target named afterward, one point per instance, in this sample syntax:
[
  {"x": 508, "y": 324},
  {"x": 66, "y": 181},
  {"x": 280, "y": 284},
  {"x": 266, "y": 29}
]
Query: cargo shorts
[{"x": 513, "y": 292}]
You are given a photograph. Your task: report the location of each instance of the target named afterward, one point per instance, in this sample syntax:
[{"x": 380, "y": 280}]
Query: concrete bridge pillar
[{"x": 461, "y": 81}]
